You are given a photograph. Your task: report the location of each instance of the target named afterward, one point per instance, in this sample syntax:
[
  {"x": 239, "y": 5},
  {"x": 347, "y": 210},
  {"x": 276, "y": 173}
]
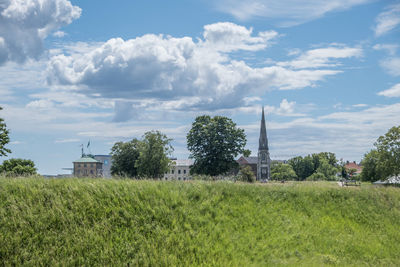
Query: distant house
[
  {"x": 107, "y": 161},
  {"x": 353, "y": 165},
  {"x": 249, "y": 161},
  {"x": 179, "y": 170},
  {"x": 88, "y": 167}
]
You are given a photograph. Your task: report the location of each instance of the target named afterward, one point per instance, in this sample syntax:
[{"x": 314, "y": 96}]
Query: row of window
[
  {"x": 87, "y": 165},
  {"x": 179, "y": 172}
]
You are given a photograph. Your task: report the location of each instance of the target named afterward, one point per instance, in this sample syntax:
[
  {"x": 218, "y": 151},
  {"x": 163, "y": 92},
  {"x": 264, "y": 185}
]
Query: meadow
[{"x": 165, "y": 223}]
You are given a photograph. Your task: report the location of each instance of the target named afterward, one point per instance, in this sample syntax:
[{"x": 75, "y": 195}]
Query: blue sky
[{"x": 328, "y": 73}]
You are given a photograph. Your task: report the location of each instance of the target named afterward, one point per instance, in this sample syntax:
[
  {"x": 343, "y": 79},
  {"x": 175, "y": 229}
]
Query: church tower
[{"x": 264, "y": 161}]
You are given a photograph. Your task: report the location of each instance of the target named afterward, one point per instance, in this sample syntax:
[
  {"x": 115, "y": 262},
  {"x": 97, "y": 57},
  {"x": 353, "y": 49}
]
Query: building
[
  {"x": 264, "y": 160},
  {"x": 107, "y": 161},
  {"x": 249, "y": 161},
  {"x": 179, "y": 170},
  {"x": 88, "y": 167},
  {"x": 353, "y": 165}
]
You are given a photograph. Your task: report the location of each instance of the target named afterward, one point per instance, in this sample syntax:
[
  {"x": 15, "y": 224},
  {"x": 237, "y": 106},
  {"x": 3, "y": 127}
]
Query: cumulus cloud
[
  {"x": 284, "y": 12},
  {"x": 387, "y": 20},
  {"x": 322, "y": 57},
  {"x": 391, "y": 49},
  {"x": 394, "y": 91},
  {"x": 180, "y": 72},
  {"x": 24, "y": 24}
]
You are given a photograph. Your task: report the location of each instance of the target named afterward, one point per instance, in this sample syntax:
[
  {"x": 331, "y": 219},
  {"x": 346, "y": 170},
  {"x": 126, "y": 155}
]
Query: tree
[
  {"x": 153, "y": 159},
  {"x": 124, "y": 157},
  {"x": 388, "y": 148},
  {"x": 246, "y": 153},
  {"x": 316, "y": 176},
  {"x": 327, "y": 169},
  {"x": 281, "y": 172},
  {"x": 18, "y": 167},
  {"x": 4, "y": 138},
  {"x": 246, "y": 174},
  {"x": 370, "y": 166},
  {"x": 303, "y": 167},
  {"x": 214, "y": 143}
]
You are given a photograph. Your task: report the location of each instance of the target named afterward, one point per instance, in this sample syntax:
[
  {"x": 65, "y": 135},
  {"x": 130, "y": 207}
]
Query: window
[
  {"x": 91, "y": 171},
  {"x": 263, "y": 171},
  {"x": 263, "y": 156},
  {"x": 105, "y": 162},
  {"x": 84, "y": 165},
  {"x": 179, "y": 171},
  {"x": 184, "y": 171},
  {"x": 172, "y": 171}
]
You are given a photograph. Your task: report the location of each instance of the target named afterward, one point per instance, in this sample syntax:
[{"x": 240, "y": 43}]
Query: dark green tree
[
  {"x": 370, "y": 171},
  {"x": 124, "y": 156},
  {"x": 388, "y": 147},
  {"x": 4, "y": 138},
  {"x": 214, "y": 143},
  {"x": 303, "y": 167},
  {"x": 246, "y": 153},
  {"x": 282, "y": 172},
  {"x": 18, "y": 167},
  {"x": 153, "y": 159}
]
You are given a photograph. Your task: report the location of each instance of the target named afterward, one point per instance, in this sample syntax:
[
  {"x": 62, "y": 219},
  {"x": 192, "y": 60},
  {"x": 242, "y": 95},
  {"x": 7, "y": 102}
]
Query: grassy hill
[{"x": 149, "y": 223}]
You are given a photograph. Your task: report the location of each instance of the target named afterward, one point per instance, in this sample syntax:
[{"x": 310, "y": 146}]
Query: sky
[{"x": 327, "y": 73}]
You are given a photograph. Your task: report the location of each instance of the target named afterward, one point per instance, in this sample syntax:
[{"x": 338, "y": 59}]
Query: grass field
[{"x": 153, "y": 223}]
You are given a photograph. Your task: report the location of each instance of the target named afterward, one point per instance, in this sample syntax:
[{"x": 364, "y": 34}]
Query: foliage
[
  {"x": 246, "y": 153},
  {"x": 246, "y": 174},
  {"x": 124, "y": 156},
  {"x": 154, "y": 150},
  {"x": 18, "y": 167},
  {"x": 106, "y": 222},
  {"x": 316, "y": 176},
  {"x": 282, "y": 172},
  {"x": 4, "y": 138},
  {"x": 214, "y": 143},
  {"x": 384, "y": 161},
  {"x": 388, "y": 147},
  {"x": 370, "y": 171},
  {"x": 327, "y": 169},
  {"x": 303, "y": 167}
]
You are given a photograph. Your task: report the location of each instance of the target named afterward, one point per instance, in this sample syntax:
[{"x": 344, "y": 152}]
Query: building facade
[
  {"x": 88, "y": 167},
  {"x": 249, "y": 161},
  {"x": 179, "y": 170},
  {"x": 264, "y": 160}
]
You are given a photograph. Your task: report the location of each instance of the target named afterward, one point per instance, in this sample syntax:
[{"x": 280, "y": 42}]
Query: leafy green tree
[
  {"x": 282, "y": 172},
  {"x": 18, "y": 167},
  {"x": 214, "y": 143},
  {"x": 370, "y": 171},
  {"x": 246, "y": 174},
  {"x": 124, "y": 156},
  {"x": 327, "y": 169},
  {"x": 4, "y": 138},
  {"x": 246, "y": 153},
  {"x": 303, "y": 167},
  {"x": 388, "y": 147},
  {"x": 153, "y": 159}
]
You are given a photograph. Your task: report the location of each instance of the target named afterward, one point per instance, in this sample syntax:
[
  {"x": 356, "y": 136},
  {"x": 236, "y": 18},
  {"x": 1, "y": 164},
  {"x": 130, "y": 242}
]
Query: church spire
[{"x": 263, "y": 141}]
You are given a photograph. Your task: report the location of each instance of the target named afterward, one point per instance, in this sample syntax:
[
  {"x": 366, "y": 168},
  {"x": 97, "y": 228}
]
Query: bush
[
  {"x": 246, "y": 175},
  {"x": 316, "y": 176},
  {"x": 18, "y": 167}
]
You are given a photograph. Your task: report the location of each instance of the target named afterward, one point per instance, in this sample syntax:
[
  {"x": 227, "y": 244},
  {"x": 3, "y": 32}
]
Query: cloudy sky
[{"x": 327, "y": 72}]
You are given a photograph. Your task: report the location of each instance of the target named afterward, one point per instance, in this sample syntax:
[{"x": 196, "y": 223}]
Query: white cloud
[
  {"x": 391, "y": 65},
  {"x": 70, "y": 140},
  {"x": 180, "y": 72},
  {"x": 322, "y": 57},
  {"x": 25, "y": 24},
  {"x": 360, "y": 105},
  {"x": 59, "y": 34},
  {"x": 387, "y": 20},
  {"x": 391, "y": 49},
  {"x": 40, "y": 104},
  {"x": 394, "y": 91},
  {"x": 284, "y": 12}
]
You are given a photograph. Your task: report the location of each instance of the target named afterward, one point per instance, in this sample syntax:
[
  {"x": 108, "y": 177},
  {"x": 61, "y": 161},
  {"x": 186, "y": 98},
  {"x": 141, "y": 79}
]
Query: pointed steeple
[{"x": 263, "y": 141}]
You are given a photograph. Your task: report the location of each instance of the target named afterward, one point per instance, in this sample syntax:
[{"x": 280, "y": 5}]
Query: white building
[{"x": 180, "y": 170}]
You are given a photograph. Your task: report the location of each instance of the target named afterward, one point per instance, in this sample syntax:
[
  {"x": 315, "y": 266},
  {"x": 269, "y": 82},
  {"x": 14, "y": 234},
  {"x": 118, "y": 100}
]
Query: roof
[
  {"x": 183, "y": 162},
  {"x": 87, "y": 160},
  {"x": 353, "y": 165},
  {"x": 249, "y": 160}
]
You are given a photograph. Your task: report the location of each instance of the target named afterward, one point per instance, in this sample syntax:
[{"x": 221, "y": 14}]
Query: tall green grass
[{"x": 161, "y": 223}]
